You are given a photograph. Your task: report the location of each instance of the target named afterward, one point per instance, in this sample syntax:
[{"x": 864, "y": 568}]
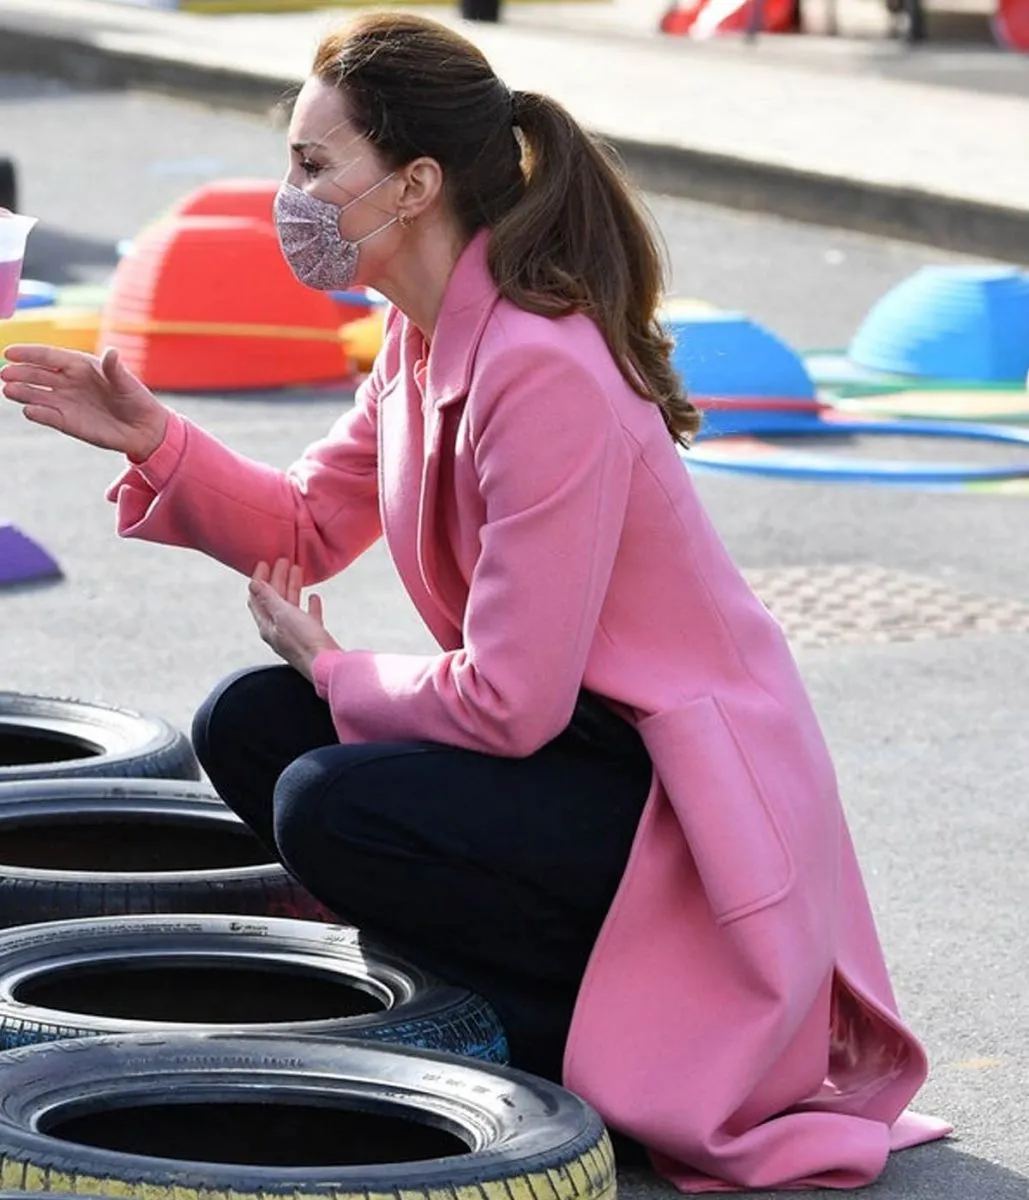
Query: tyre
[
  {"x": 44, "y": 737},
  {"x": 98, "y": 847},
  {"x": 189, "y": 1116},
  {"x": 8, "y": 185},
  {"x": 204, "y": 973}
]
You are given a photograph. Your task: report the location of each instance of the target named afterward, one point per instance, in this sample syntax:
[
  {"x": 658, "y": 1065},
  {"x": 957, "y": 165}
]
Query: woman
[{"x": 605, "y": 803}]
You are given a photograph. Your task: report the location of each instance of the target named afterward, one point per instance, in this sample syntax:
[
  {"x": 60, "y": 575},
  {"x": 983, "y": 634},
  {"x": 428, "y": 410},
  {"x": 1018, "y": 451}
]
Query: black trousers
[{"x": 493, "y": 873}]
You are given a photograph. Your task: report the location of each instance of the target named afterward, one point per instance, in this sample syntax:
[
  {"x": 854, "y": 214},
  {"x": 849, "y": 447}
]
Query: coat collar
[{"x": 468, "y": 303}]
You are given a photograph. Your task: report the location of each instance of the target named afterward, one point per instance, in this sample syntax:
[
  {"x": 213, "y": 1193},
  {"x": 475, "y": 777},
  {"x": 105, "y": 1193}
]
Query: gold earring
[{"x": 405, "y": 221}]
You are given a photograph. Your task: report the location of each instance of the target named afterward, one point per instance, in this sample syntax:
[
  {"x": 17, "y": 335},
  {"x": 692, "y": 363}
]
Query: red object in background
[
  {"x": 231, "y": 198},
  {"x": 707, "y": 18},
  {"x": 255, "y": 198},
  {"x": 210, "y": 304},
  {"x": 1011, "y": 24}
]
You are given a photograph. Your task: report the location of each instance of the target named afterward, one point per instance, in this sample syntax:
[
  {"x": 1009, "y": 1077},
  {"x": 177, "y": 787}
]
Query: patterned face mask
[{"x": 311, "y": 242}]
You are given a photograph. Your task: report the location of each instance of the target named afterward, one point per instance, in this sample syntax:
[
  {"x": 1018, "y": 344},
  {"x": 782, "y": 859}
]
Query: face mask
[{"x": 311, "y": 242}]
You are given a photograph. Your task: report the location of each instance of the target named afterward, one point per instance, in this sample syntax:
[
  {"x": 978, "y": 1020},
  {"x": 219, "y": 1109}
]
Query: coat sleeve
[
  {"x": 322, "y": 512},
  {"x": 554, "y": 467}
]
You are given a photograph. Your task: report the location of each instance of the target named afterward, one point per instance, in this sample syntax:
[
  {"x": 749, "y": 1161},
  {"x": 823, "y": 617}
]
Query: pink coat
[{"x": 736, "y": 1015}]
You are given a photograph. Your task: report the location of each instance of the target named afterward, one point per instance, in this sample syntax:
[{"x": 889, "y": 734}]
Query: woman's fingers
[
  {"x": 26, "y": 393},
  {"x": 294, "y": 580},
  {"x": 285, "y": 579},
  {"x": 41, "y": 376},
  {"x": 43, "y": 414},
  {"x": 54, "y": 358},
  {"x": 259, "y": 599},
  {"x": 280, "y": 576},
  {"x": 314, "y": 607},
  {"x": 110, "y": 364}
]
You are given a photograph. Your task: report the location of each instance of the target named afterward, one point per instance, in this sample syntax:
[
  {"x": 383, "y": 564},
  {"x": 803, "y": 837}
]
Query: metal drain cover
[{"x": 829, "y": 605}]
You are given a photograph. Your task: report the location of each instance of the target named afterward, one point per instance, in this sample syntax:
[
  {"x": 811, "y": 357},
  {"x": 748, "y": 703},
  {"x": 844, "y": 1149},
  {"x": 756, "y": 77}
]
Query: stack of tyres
[
  {"x": 180, "y": 1020},
  {"x": 100, "y": 813},
  {"x": 135, "y": 902}
]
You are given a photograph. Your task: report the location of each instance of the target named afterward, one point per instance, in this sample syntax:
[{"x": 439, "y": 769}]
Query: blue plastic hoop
[{"x": 752, "y": 457}]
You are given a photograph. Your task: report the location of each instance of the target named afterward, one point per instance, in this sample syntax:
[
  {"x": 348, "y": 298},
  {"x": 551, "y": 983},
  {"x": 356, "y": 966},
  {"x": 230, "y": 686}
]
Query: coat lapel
[{"x": 467, "y": 306}]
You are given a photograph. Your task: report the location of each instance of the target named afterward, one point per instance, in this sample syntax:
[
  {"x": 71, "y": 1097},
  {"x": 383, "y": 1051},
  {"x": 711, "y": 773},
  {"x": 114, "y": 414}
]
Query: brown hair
[{"x": 568, "y": 233}]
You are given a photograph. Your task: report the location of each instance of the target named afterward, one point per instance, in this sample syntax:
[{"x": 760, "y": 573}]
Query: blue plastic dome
[
  {"x": 728, "y": 354},
  {"x": 968, "y": 323},
  {"x": 34, "y": 293}
]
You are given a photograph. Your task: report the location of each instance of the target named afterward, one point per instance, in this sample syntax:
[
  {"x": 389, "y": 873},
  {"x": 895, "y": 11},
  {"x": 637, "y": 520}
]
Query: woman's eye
[{"x": 309, "y": 168}]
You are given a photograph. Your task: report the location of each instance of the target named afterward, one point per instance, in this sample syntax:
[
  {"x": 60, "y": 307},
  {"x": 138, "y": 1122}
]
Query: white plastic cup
[{"x": 14, "y": 234}]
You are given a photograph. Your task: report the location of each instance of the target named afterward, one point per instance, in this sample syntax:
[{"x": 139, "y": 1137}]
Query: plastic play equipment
[
  {"x": 727, "y": 417},
  {"x": 242, "y": 197},
  {"x": 837, "y": 371},
  {"x": 209, "y": 303},
  {"x": 62, "y": 315},
  {"x": 23, "y": 560},
  {"x": 14, "y": 234},
  {"x": 1011, "y": 24},
  {"x": 962, "y": 323},
  {"x": 83, "y": 295},
  {"x": 234, "y": 197},
  {"x": 752, "y": 456},
  {"x": 707, "y": 18},
  {"x": 362, "y": 339},
  {"x": 35, "y": 293},
  {"x": 726, "y": 355},
  {"x": 54, "y": 325},
  {"x": 994, "y": 406},
  {"x": 355, "y": 304},
  {"x": 255, "y": 198}
]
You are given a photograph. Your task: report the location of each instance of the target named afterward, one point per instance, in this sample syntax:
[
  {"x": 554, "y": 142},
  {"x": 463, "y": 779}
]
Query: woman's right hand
[{"x": 95, "y": 399}]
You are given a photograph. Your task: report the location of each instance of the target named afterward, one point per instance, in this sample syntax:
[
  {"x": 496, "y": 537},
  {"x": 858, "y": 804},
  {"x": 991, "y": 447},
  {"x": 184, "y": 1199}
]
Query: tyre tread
[
  {"x": 162, "y": 752},
  {"x": 25, "y": 1175}
]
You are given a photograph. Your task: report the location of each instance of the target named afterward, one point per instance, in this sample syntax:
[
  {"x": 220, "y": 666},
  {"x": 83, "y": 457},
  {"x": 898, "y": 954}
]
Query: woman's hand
[
  {"x": 274, "y": 602},
  {"x": 97, "y": 400}
]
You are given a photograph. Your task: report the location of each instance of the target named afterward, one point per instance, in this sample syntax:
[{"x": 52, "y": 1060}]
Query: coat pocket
[{"x": 736, "y": 843}]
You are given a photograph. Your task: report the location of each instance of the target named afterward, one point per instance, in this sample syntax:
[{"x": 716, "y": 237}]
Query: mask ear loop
[
  {"x": 386, "y": 224},
  {"x": 367, "y": 192}
]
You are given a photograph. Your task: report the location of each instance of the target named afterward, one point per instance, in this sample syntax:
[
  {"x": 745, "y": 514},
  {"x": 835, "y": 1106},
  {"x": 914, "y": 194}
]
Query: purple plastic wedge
[{"x": 22, "y": 559}]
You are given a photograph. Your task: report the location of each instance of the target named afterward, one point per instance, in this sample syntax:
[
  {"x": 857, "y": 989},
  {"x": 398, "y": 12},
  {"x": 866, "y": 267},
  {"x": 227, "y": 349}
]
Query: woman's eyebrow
[{"x": 301, "y": 146}]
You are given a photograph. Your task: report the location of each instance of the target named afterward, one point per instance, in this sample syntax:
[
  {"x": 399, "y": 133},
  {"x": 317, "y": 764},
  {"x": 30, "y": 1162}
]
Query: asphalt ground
[{"x": 926, "y": 719}]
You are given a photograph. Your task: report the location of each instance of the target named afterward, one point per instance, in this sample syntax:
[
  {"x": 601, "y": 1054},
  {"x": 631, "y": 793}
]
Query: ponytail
[{"x": 577, "y": 240}]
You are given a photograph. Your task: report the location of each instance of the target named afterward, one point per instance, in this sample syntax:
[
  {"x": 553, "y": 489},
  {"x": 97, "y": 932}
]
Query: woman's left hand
[{"x": 296, "y": 635}]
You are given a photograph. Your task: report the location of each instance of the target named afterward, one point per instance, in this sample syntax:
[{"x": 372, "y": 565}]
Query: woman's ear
[{"x": 421, "y": 185}]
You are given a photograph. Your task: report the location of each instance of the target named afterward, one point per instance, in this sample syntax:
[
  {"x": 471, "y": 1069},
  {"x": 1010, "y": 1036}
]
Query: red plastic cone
[
  {"x": 254, "y": 198},
  {"x": 210, "y": 304}
]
